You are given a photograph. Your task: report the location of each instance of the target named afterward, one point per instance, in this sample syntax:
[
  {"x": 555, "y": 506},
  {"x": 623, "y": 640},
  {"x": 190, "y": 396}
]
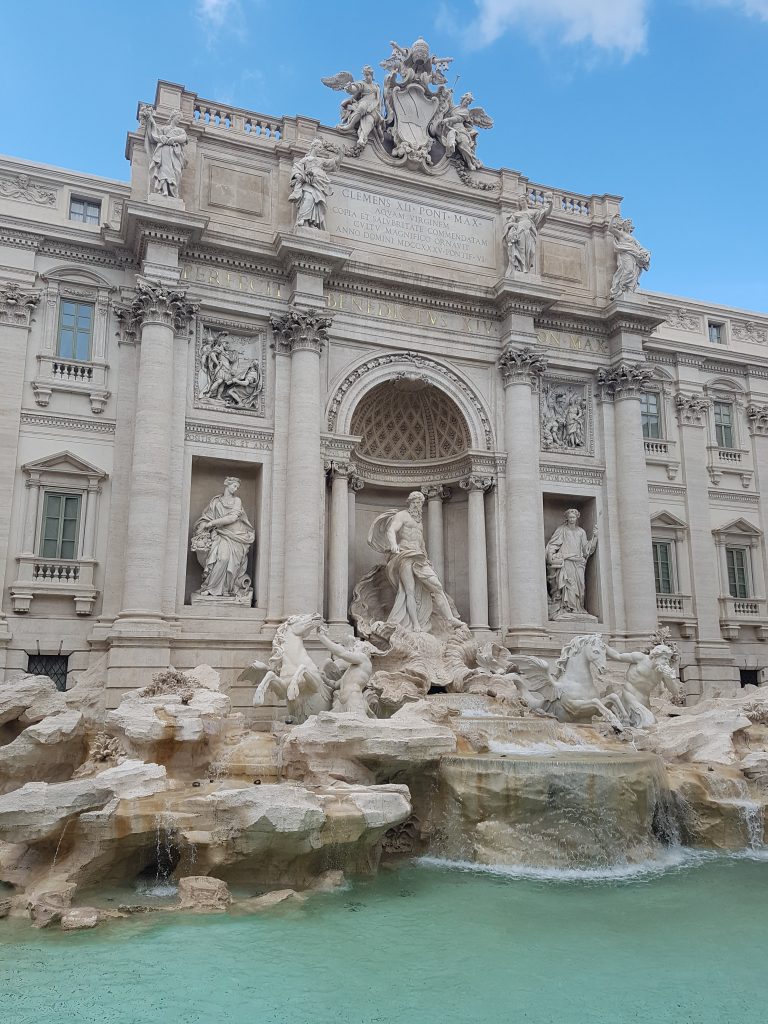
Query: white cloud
[
  {"x": 754, "y": 8},
  {"x": 606, "y": 24},
  {"x": 215, "y": 13}
]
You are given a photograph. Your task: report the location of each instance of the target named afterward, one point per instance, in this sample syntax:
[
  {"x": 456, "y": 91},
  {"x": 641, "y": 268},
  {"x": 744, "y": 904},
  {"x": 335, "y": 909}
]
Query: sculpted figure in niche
[
  {"x": 645, "y": 673},
  {"x": 521, "y": 233},
  {"x": 418, "y": 589},
  {"x": 567, "y": 552},
  {"x": 631, "y": 258},
  {"x": 221, "y": 539},
  {"x": 310, "y": 184},
  {"x": 362, "y": 111},
  {"x": 166, "y": 147}
]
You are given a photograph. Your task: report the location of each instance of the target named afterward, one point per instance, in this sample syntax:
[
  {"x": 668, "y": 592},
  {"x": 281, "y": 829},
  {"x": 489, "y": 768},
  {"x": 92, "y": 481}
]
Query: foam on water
[
  {"x": 671, "y": 859},
  {"x": 539, "y": 749}
]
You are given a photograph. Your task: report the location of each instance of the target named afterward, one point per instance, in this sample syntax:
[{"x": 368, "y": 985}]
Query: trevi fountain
[{"x": 414, "y": 814}]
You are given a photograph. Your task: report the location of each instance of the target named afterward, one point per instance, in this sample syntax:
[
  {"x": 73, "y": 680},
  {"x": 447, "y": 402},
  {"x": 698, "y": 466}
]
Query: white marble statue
[
  {"x": 350, "y": 695},
  {"x": 418, "y": 590},
  {"x": 521, "y": 234},
  {"x": 568, "y": 691},
  {"x": 566, "y": 554},
  {"x": 310, "y": 184},
  {"x": 221, "y": 539},
  {"x": 166, "y": 147},
  {"x": 645, "y": 673},
  {"x": 291, "y": 674},
  {"x": 361, "y": 112},
  {"x": 631, "y": 258},
  {"x": 457, "y": 127}
]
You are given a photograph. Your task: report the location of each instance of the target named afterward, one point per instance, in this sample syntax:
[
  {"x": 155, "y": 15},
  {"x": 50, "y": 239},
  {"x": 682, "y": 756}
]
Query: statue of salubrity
[
  {"x": 566, "y": 555},
  {"x": 166, "y": 147},
  {"x": 221, "y": 540}
]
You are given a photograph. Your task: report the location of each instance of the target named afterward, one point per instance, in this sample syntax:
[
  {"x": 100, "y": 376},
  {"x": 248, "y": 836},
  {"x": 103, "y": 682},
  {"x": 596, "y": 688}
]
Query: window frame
[
  {"x": 669, "y": 544},
  {"x": 721, "y": 329},
  {"x": 745, "y": 552},
  {"x": 86, "y": 201},
  {"x": 658, "y": 395},
  {"x": 78, "y": 304},
  {"x": 48, "y": 492},
  {"x": 731, "y": 425}
]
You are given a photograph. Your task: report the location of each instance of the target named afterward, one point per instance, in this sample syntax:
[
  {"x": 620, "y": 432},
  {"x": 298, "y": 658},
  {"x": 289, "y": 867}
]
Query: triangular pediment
[
  {"x": 739, "y": 526},
  {"x": 64, "y": 462},
  {"x": 667, "y": 519}
]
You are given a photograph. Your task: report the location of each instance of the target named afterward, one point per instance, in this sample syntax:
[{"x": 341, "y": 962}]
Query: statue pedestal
[
  {"x": 206, "y": 599},
  {"x": 166, "y": 202}
]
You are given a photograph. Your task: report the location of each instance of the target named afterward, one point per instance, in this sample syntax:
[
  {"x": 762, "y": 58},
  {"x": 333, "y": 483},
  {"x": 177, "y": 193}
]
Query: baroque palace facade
[{"x": 336, "y": 324}]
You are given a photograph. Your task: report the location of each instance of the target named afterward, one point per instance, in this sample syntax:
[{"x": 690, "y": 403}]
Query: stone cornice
[
  {"x": 301, "y": 329},
  {"x": 632, "y": 315},
  {"x": 571, "y": 324},
  {"x": 429, "y": 298},
  {"x": 227, "y": 435},
  {"x": 143, "y": 223},
  {"x": 523, "y": 294},
  {"x": 521, "y": 366},
  {"x": 311, "y": 252},
  {"x": 211, "y": 254},
  {"x": 61, "y": 422},
  {"x": 16, "y": 304}
]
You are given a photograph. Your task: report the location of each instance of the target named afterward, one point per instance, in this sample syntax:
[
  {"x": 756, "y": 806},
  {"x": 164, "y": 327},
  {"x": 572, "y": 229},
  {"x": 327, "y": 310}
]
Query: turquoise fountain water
[{"x": 424, "y": 945}]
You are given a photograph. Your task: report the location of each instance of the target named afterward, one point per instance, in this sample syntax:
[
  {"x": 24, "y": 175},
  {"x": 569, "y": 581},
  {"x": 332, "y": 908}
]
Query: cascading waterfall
[{"x": 734, "y": 792}]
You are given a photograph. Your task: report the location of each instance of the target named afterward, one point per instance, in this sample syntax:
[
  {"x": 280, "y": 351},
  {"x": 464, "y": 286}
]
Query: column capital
[
  {"x": 757, "y": 419},
  {"x": 691, "y": 410},
  {"x": 16, "y": 304},
  {"x": 355, "y": 483},
  {"x": 300, "y": 329},
  {"x": 155, "y": 303},
  {"x": 433, "y": 491},
  {"x": 522, "y": 366},
  {"x": 476, "y": 482},
  {"x": 338, "y": 468},
  {"x": 625, "y": 380}
]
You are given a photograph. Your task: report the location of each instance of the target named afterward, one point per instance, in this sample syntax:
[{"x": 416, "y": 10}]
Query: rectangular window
[
  {"x": 662, "y": 566},
  {"x": 649, "y": 410},
  {"x": 75, "y": 330},
  {"x": 724, "y": 424},
  {"x": 738, "y": 575},
  {"x": 52, "y": 665},
  {"x": 716, "y": 332},
  {"x": 87, "y": 211},
  {"x": 749, "y": 676},
  {"x": 60, "y": 526}
]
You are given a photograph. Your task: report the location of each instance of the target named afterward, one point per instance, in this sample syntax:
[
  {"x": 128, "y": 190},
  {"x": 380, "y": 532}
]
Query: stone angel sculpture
[
  {"x": 631, "y": 258},
  {"x": 310, "y": 184},
  {"x": 457, "y": 128},
  {"x": 166, "y": 147},
  {"x": 521, "y": 233},
  {"x": 361, "y": 112}
]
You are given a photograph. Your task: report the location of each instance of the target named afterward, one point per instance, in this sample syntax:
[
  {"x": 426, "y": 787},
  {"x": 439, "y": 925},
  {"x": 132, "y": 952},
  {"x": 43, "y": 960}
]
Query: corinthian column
[
  {"x": 338, "y": 541},
  {"x": 16, "y": 307},
  {"x": 156, "y": 314},
  {"x": 436, "y": 494},
  {"x": 477, "y": 553},
  {"x": 623, "y": 386},
  {"x": 303, "y": 332},
  {"x": 521, "y": 371}
]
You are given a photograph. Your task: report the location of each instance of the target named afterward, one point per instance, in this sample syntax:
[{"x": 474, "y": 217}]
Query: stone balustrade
[
  {"x": 214, "y": 115},
  {"x": 73, "y": 376},
  {"x": 38, "y": 577}
]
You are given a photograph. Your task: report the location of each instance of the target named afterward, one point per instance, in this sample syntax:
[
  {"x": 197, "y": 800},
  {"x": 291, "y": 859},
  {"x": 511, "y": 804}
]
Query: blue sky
[{"x": 662, "y": 102}]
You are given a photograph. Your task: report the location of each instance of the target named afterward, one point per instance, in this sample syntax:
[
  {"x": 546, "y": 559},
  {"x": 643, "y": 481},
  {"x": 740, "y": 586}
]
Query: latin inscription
[
  {"x": 411, "y": 314},
  {"x": 395, "y": 223},
  {"x": 200, "y": 274},
  {"x": 574, "y": 342}
]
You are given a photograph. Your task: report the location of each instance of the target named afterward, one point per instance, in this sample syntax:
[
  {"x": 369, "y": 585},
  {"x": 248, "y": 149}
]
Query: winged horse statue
[{"x": 568, "y": 691}]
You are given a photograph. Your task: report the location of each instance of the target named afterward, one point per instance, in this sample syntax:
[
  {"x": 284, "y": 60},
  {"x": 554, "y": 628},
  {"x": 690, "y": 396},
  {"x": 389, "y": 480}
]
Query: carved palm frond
[{"x": 338, "y": 82}]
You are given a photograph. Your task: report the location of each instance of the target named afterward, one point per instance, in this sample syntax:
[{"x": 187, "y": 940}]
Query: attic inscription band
[{"x": 397, "y": 223}]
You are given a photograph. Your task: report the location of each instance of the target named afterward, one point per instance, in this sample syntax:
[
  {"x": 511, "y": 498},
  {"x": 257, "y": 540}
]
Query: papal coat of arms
[{"x": 416, "y": 119}]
